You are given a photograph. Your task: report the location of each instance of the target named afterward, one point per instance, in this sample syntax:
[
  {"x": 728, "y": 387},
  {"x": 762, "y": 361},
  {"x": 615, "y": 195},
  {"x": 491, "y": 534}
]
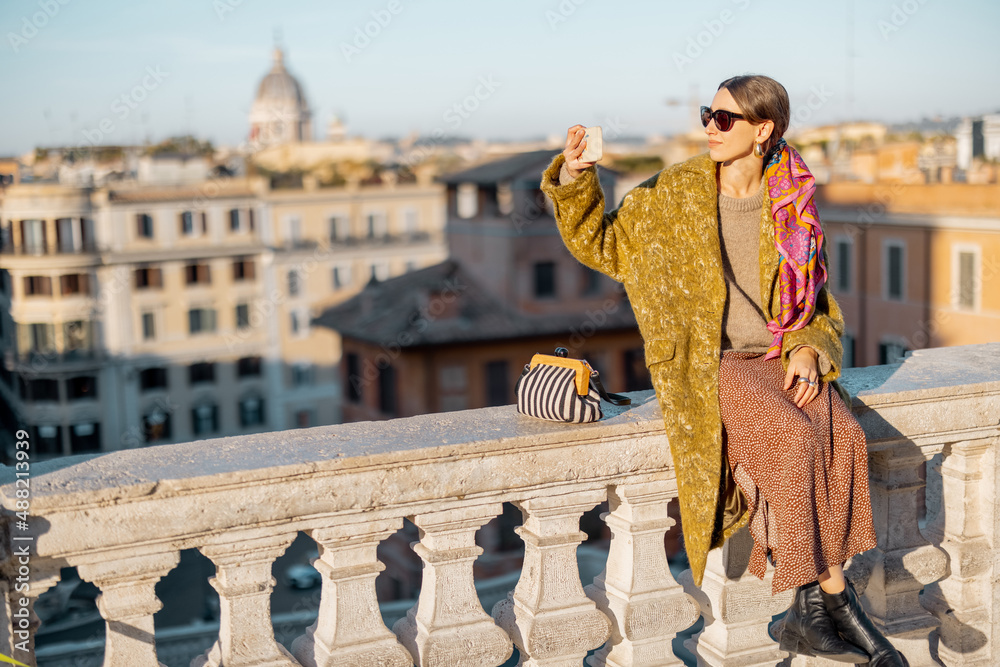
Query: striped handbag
[{"x": 563, "y": 390}]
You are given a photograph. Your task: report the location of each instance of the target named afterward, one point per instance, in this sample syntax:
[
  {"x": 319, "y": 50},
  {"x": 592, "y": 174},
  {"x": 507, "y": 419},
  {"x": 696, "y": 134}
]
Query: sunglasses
[{"x": 723, "y": 119}]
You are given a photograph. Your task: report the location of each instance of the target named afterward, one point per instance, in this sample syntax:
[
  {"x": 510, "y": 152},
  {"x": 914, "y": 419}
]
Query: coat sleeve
[
  {"x": 822, "y": 333},
  {"x": 597, "y": 239}
]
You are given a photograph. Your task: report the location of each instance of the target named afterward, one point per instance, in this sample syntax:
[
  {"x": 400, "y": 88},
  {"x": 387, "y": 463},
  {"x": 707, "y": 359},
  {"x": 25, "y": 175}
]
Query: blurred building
[
  {"x": 978, "y": 137},
  {"x": 457, "y": 335},
  {"x": 280, "y": 113},
  {"x": 146, "y": 313},
  {"x": 913, "y": 266}
]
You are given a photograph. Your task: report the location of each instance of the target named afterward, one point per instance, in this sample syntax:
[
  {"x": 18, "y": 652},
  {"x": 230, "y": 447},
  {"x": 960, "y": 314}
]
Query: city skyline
[{"x": 122, "y": 73}]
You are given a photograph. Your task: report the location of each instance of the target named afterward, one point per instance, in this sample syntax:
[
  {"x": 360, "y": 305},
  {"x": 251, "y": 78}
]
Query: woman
[{"x": 721, "y": 256}]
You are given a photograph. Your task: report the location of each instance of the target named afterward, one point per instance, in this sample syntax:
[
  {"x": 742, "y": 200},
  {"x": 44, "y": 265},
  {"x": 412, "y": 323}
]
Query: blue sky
[{"x": 551, "y": 63}]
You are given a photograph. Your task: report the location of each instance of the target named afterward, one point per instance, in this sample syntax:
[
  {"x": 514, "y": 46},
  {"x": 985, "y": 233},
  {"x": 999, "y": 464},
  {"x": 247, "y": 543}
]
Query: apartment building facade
[{"x": 139, "y": 314}]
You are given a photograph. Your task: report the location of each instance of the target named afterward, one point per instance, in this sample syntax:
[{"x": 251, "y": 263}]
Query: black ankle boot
[
  {"x": 807, "y": 629},
  {"x": 855, "y": 626}
]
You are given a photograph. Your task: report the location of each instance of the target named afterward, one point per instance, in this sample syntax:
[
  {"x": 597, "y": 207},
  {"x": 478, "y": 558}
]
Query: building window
[
  {"x": 33, "y": 237},
  {"x": 467, "y": 200},
  {"x": 302, "y": 374},
  {"x": 966, "y": 279},
  {"x": 74, "y": 283},
  {"x": 144, "y": 225},
  {"x": 148, "y": 326},
  {"x": 244, "y": 269},
  {"x": 891, "y": 352},
  {"x": 636, "y": 373},
  {"x": 248, "y": 367},
  {"x": 187, "y": 223},
  {"x": 591, "y": 281},
  {"x": 377, "y": 225},
  {"x": 148, "y": 278},
  {"x": 304, "y": 418},
  {"x": 201, "y": 372},
  {"x": 341, "y": 276},
  {"x": 847, "y": 341},
  {"x": 84, "y": 437},
  {"x": 242, "y": 316},
  {"x": 895, "y": 270},
  {"x": 83, "y": 386},
  {"x": 234, "y": 220},
  {"x": 844, "y": 252},
  {"x": 340, "y": 229},
  {"x": 411, "y": 221},
  {"x": 198, "y": 274},
  {"x": 201, "y": 320},
  {"x": 37, "y": 286},
  {"x": 40, "y": 336},
  {"x": 78, "y": 336},
  {"x": 153, "y": 378},
  {"x": 293, "y": 283},
  {"x": 387, "y": 403},
  {"x": 251, "y": 411},
  {"x": 156, "y": 425},
  {"x": 545, "y": 279},
  {"x": 251, "y": 223},
  {"x": 41, "y": 390},
  {"x": 352, "y": 377},
  {"x": 48, "y": 439},
  {"x": 379, "y": 271},
  {"x": 205, "y": 419},
  {"x": 497, "y": 384}
]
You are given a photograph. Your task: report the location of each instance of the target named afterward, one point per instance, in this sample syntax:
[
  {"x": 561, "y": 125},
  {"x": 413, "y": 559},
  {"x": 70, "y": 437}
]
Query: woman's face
[{"x": 739, "y": 140}]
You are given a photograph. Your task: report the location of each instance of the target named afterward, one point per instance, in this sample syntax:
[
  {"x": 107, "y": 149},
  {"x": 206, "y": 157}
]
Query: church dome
[
  {"x": 280, "y": 113},
  {"x": 279, "y": 85}
]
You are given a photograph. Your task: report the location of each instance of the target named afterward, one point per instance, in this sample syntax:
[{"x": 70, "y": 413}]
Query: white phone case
[{"x": 594, "y": 150}]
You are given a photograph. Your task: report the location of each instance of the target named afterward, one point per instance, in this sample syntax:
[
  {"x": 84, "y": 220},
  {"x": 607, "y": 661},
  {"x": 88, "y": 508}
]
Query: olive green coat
[{"x": 662, "y": 242}]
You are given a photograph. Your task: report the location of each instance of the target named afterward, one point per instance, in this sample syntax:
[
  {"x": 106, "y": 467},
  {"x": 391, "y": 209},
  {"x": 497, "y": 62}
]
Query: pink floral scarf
[{"x": 798, "y": 238}]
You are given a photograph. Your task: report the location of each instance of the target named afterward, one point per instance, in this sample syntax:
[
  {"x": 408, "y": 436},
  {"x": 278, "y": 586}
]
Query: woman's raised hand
[{"x": 574, "y": 149}]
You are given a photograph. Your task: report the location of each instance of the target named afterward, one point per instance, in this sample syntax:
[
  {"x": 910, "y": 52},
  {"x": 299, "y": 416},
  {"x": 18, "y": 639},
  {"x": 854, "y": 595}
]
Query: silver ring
[
  {"x": 813, "y": 384},
  {"x": 803, "y": 379}
]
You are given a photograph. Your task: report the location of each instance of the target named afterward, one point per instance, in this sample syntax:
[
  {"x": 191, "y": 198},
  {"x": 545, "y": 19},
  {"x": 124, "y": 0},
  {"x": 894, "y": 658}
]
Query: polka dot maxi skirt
[{"x": 804, "y": 471}]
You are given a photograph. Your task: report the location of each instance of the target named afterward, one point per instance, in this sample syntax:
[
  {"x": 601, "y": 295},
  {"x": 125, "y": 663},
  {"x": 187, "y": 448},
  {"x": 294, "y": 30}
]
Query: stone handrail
[{"x": 122, "y": 518}]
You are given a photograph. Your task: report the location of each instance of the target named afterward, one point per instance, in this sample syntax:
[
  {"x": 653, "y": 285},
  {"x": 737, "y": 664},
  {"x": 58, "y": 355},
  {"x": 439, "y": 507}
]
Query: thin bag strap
[{"x": 613, "y": 399}]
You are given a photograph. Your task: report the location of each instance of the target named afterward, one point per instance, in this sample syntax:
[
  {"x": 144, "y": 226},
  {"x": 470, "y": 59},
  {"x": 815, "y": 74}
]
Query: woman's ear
[{"x": 764, "y": 130}]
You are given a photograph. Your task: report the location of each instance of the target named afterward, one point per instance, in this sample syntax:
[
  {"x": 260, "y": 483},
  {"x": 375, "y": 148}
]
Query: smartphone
[{"x": 595, "y": 144}]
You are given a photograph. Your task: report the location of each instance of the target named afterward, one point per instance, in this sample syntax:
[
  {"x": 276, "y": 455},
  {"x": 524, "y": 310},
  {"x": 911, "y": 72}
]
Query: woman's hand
[
  {"x": 574, "y": 149},
  {"x": 804, "y": 364}
]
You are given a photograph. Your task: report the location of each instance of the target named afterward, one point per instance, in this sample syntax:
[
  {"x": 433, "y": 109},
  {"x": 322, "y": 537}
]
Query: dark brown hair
[{"x": 761, "y": 98}]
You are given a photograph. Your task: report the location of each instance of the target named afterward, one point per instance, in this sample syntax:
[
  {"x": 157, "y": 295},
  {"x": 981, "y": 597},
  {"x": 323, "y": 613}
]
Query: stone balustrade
[{"x": 122, "y": 519}]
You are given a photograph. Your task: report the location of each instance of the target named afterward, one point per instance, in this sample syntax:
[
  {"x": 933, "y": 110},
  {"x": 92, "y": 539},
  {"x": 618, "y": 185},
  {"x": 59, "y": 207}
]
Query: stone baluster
[
  {"x": 41, "y": 576},
  {"x": 737, "y": 607},
  {"x": 127, "y": 603},
  {"x": 636, "y": 590},
  {"x": 244, "y": 582},
  {"x": 903, "y": 562},
  {"x": 349, "y": 628},
  {"x": 552, "y": 621},
  {"x": 448, "y": 627},
  {"x": 963, "y": 600}
]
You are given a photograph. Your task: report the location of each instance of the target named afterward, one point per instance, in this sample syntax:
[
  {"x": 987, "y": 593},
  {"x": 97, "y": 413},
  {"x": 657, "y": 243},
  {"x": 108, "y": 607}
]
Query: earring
[{"x": 758, "y": 150}]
